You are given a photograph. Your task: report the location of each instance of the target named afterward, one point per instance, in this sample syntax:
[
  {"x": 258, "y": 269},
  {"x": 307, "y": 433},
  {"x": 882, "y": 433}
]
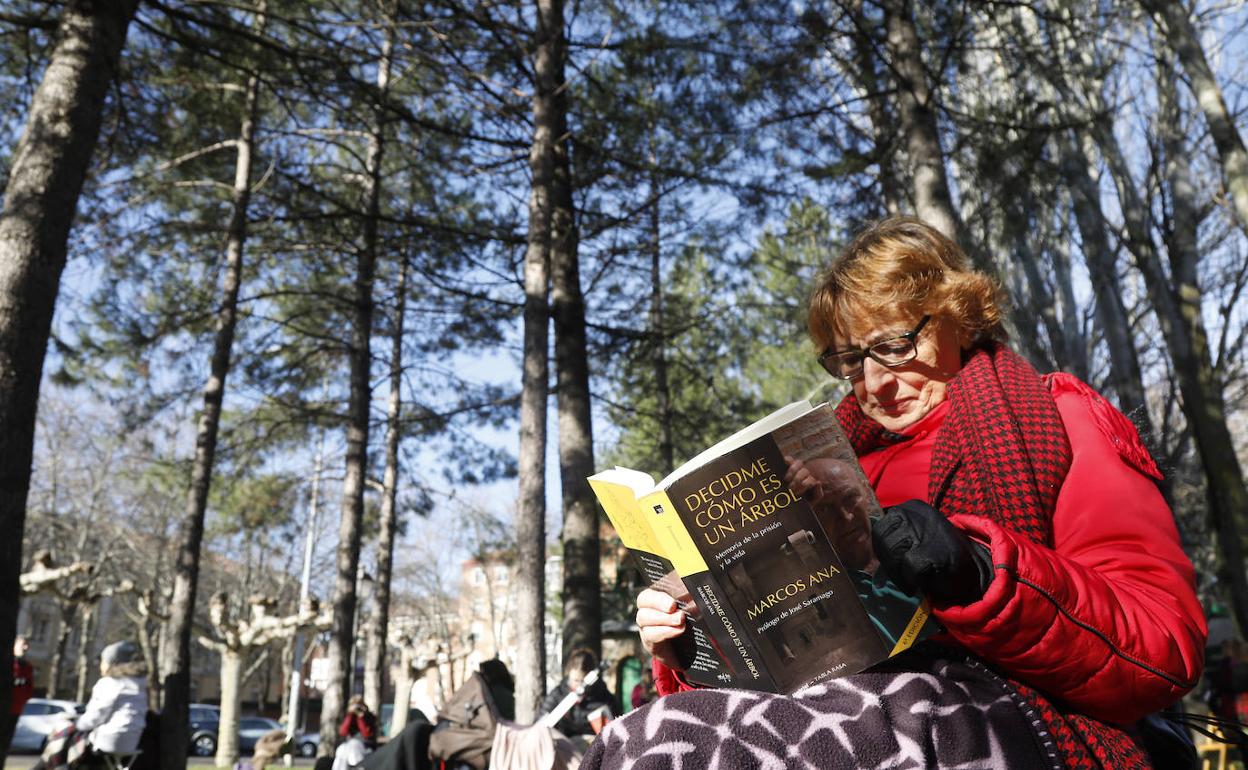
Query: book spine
[
  {"x": 705, "y": 663},
  {"x": 729, "y": 638}
]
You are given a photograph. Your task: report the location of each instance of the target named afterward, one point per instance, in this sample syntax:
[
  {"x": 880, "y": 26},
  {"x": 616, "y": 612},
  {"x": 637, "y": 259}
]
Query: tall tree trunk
[
  {"x": 175, "y": 654},
  {"x": 288, "y": 664},
  {"x": 662, "y": 389},
  {"x": 1071, "y": 320},
  {"x": 402, "y": 691},
  {"x": 46, "y": 175},
  {"x": 1180, "y": 230},
  {"x": 883, "y": 126},
  {"x": 342, "y": 634},
  {"x": 231, "y": 701},
  {"x": 1187, "y": 341},
  {"x": 531, "y": 512},
  {"x": 86, "y": 630},
  {"x": 933, "y": 203},
  {"x": 297, "y": 655},
  {"x": 1111, "y": 312},
  {"x": 920, "y": 131},
  {"x": 1015, "y": 224},
  {"x": 147, "y": 644},
  {"x": 266, "y": 679},
  {"x": 582, "y": 589},
  {"x": 1173, "y": 21},
  {"x": 379, "y": 621},
  {"x": 58, "y": 651}
]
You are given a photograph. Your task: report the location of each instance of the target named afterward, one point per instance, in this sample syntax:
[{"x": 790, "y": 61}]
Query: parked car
[
  {"x": 306, "y": 745},
  {"x": 250, "y": 729},
  {"x": 39, "y": 718},
  {"x": 205, "y": 721},
  {"x": 206, "y": 724}
]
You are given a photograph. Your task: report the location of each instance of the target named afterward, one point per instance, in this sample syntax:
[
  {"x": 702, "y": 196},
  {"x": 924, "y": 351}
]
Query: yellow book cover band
[
  {"x": 625, "y": 514},
  {"x": 913, "y": 628},
  {"x": 674, "y": 539}
]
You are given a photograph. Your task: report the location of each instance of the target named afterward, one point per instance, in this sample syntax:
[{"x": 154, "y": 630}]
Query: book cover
[{"x": 784, "y": 594}]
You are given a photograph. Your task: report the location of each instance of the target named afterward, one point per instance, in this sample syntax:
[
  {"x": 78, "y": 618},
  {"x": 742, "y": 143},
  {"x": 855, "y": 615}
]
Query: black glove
[{"x": 922, "y": 552}]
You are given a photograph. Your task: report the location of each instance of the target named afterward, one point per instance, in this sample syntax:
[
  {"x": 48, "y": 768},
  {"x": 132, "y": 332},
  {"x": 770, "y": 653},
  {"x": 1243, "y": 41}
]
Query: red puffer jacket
[{"x": 1107, "y": 620}]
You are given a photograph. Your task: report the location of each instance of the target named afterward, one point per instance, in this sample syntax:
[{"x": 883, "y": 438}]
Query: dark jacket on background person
[
  {"x": 502, "y": 687},
  {"x": 576, "y": 721}
]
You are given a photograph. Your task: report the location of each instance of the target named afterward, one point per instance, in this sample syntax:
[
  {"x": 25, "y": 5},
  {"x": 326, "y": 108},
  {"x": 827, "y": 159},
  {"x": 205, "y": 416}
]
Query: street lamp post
[{"x": 296, "y": 669}]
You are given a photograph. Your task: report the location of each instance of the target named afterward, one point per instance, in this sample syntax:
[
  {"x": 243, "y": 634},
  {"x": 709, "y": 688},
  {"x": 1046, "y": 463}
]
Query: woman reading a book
[{"x": 1025, "y": 507}]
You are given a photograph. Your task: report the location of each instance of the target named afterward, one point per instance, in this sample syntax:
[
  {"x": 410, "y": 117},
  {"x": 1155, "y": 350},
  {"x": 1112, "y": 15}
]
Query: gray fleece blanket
[{"x": 946, "y": 714}]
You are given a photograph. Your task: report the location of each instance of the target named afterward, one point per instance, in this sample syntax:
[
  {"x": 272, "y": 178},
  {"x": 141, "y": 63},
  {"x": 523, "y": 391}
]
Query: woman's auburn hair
[{"x": 897, "y": 267}]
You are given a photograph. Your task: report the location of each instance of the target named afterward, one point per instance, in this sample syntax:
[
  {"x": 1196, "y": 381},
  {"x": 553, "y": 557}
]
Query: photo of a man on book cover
[
  {"x": 844, "y": 505},
  {"x": 823, "y": 470}
]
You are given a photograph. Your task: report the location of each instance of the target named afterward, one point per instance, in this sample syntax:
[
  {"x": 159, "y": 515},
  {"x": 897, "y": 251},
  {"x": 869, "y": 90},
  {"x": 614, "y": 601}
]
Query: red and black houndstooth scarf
[{"x": 1002, "y": 453}]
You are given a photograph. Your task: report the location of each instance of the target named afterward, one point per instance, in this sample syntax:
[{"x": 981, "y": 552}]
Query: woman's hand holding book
[{"x": 661, "y": 623}]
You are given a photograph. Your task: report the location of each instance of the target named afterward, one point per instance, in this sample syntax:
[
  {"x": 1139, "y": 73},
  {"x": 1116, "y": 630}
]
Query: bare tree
[
  {"x": 46, "y": 175},
  {"x": 531, "y": 515},
  {"x": 870, "y": 82},
  {"x": 1176, "y": 299},
  {"x": 929, "y": 181},
  {"x": 342, "y": 635},
  {"x": 582, "y": 589},
  {"x": 1174, "y": 22},
  {"x": 417, "y": 654},
  {"x": 1102, "y": 264},
  {"x": 44, "y": 574},
  {"x": 376, "y": 628},
  {"x": 234, "y": 640},
  {"x": 175, "y": 656},
  {"x": 916, "y": 111}
]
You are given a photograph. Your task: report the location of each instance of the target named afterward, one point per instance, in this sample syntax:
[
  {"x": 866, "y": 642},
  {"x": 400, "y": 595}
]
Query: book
[{"x": 780, "y": 594}]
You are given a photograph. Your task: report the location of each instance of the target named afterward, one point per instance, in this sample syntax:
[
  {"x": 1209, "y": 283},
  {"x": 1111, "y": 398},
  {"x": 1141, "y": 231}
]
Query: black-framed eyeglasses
[{"x": 894, "y": 351}]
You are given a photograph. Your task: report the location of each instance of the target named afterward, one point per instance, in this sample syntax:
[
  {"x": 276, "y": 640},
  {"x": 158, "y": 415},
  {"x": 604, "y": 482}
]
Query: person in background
[
  {"x": 1230, "y": 682},
  {"x": 23, "y": 674},
  {"x": 23, "y": 689},
  {"x": 576, "y": 722},
  {"x": 117, "y": 710},
  {"x": 359, "y": 722},
  {"x": 359, "y": 727},
  {"x": 114, "y": 717},
  {"x": 502, "y": 687},
  {"x": 1025, "y": 507},
  {"x": 643, "y": 691}
]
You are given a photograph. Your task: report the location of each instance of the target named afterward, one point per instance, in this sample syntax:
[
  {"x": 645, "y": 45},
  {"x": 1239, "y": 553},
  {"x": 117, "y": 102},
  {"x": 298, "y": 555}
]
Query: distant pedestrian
[
  {"x": 114, "y": 717},
  {"x": 23, "y": 674},
  {"x": 359, "y": 722},
  {"x": 359, "y": 727},
  {"x": 1230, "y": 681},
  {"x": 591, "y": 696},
  {"x": 23, "y": 689},
  {"x": 643, "y": 691}
]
